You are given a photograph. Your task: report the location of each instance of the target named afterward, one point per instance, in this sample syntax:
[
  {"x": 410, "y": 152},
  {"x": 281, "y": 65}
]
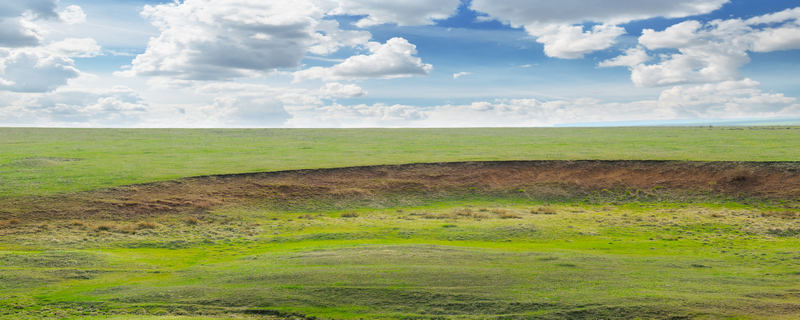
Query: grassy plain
[
  {"x": 467, "y": 258},
  {"x": 44, "y": 161},
  {"x": 468, "y": 255}
]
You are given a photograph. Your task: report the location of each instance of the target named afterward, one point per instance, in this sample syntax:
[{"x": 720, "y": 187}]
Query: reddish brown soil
[{"x": 536, "y": 179}]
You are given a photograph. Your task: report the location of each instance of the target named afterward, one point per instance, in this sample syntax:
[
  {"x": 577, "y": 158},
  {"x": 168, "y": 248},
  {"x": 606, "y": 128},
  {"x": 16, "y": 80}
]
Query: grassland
[
  {"x": 467, "y": 258},
  {"x": 46, "y": 161},
  {"x": 539, "y": 240}
]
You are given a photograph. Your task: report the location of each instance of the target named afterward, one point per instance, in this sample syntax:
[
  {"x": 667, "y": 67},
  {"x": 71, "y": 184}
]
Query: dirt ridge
[{"x": 766, "y": 180}]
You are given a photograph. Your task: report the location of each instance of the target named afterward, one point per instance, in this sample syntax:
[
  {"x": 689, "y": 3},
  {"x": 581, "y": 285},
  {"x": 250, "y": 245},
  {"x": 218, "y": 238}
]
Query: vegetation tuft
[{"x": 543, "y": 210}]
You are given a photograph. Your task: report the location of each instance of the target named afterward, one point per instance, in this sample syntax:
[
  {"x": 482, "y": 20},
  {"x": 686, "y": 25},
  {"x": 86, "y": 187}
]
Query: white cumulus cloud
[
  {"x": 34, "y": 71},
  {"x": 727, "y": 100},
  {"x": 330, "y": 38},
  {"x": 559, "y": 24},
  {"x": 339, "y": 90},
  {"x": 119, "y": 106},
  {"x": 394, "y": 59},
  {"x": 784, "y": 37},
  {"x": 44, "y": 68},
  {"x": 17, "y": 27},
  {"x": 28, "y": 62},
  {"x": 710, "y": 52},
  {"x": 75, "y": 47},
  {"x": 461, "y": 74},
  {"x": 524, "y": 12},
  {"x": 248, "y": 111},
  {"x": 632, "y": 57},
  {"x": 210, "y": 40},
  {"x": 403, "y": 13},
  {"x": 72, "y": 15},
  {"x": 675, "y": 36},
  {"x": 573, "y": 42}
]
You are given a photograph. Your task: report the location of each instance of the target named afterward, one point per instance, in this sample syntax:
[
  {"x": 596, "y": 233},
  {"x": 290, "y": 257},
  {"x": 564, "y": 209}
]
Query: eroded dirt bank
[{"x": 535, "y": 179}]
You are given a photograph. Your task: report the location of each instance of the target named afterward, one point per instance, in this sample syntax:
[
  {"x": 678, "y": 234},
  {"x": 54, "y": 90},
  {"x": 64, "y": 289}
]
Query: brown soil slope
[{"x": 536, "y": 179}]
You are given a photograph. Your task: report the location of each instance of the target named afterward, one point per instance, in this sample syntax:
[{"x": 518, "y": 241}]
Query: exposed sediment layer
[{"x": 536, "y": 179}]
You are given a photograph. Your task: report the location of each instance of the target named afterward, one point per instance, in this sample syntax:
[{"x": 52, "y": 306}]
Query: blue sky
[{"x": 411, "y": 63}]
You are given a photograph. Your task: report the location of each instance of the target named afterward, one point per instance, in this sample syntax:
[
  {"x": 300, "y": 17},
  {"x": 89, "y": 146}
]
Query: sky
[{"x": 397, "y": 63}]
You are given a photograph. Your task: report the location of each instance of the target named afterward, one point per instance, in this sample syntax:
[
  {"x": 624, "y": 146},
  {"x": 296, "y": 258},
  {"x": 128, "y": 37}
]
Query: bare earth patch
[{"x": 533, "y": 179}]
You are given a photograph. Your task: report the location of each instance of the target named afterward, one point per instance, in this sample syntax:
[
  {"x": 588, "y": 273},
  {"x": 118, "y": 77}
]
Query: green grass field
[
  {"x": 470, "y": 258},
  {"x": 446, "y": 256},
  {"x": 42, "y": 161}
]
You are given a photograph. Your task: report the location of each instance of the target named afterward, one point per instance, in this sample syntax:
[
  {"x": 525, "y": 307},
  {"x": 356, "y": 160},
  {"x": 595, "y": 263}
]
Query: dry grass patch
[
  {"x": 436, "y": 216},
  {"x": 789, "y": 215},
  {"x": 466, "y": 213},
  {"x": 349, "y": 215},
  {"x": 76, "y": 223},
  {"x": 9, "y": 223},
  {"x": 509, "y": 215},
  {"x": 192, "y": 221},
  {"x": 112, "y": 227},
  {"x": 105, "y": 227},
  {"x": 146, "y": 225},
  {"x": 788, "y": 232},
  {"x": 469, "y": 213},
  {"x": 543, "y": 210},
  {"x": 129, "y": 229},
  {"x": 505, "y": 214}
]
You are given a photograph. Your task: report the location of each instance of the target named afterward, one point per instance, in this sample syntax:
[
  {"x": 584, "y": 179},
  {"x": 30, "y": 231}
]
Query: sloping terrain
[
  {"x": 465, "y": 240},
  {"x": 567, "y": 180}
]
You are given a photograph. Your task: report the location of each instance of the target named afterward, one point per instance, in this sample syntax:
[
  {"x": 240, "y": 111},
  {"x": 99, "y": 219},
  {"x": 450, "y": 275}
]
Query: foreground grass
[
  {"x": 431, "y": 255},
  {"x": 467, "y": 258},
  {"x": 44, "y": 161}
]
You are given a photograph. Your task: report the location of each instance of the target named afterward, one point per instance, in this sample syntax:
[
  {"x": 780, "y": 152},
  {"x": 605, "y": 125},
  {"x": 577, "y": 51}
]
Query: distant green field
[{"x": 44, "y": 161}]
